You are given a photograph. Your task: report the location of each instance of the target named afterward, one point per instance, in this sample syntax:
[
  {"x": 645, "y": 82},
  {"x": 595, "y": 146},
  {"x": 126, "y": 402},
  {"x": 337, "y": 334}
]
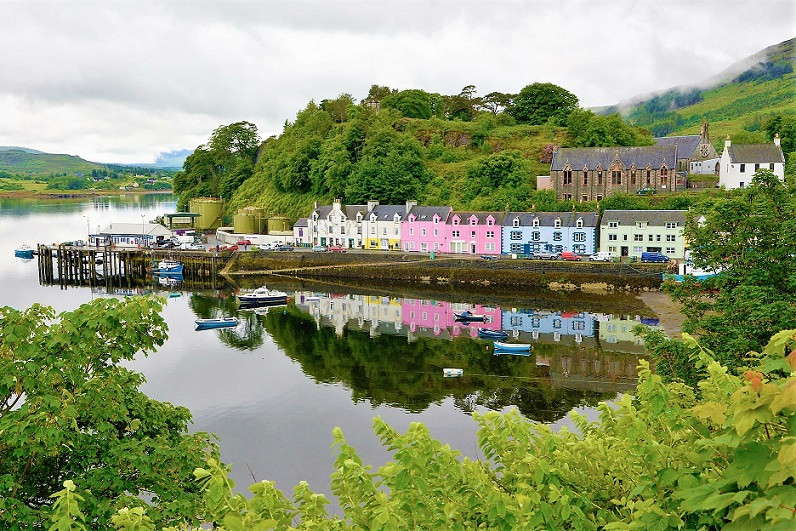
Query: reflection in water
[{"x": 391, "y": 351}]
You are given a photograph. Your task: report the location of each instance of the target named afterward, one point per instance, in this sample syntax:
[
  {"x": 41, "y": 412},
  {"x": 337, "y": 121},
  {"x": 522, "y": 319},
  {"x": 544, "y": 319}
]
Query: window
[
  {"x": 740, "y": 184},
  {"x": 516, "y": 320},
  {"x": 616, "y": 177},
  {"x": 535, "y": 322},
  {"x": 641, "y": 224},
  {"x": 515, "y": 222},
  {"x": 585, "y": 178},
  {"x": 557, "y": 236},
  {"x": 436, "y": 232},
  {"x": 516, "y": 247},
  {"x": 651, "y": 238},
  {"x": 649, "y": 177},
  {"x": 516, "y": 235},
  {"x": 579, "y": 237},
  {"x": 624, "y": 237},
  {"x": 613, "y": 224},
  {"x": 473, "y": 221},
  {"x": 757, "y": 167},
  {"x": 579, "y": 223},
  {"x": 567, "y": 177},
  {"x": 664, "y": 176},
  {"x": 489, "y": 246},
  {"x": 579, "y": 249},
  {"x": 490, "y": 222},
  {"x": 743, "y": 168},
  {"x": 455, "y": 233},
  {"x": 657, "y": 237},
  {"x": 637, "y": 250},
  {"x": 331, "y": 229},
  {"x": 411, "y": 231},
  {"x": 638, "y": 237},
  {"x": 671, "y": 237},
  {"x": 535, "y": 235},
  {"x": 455, "y": 221},
  {"x": 632, "y": 176},
  {"x": 612, "y": 248},
  {"x": 472, "y": 234},
  {"x": 670, "y": 250},
  {"x": 599, "y": 177},
  {"x": 578, "y": 325},
  {"x": 556, "y": 323},
  {"x": 373, "y": 229},
  {"x": 436, "y": 220},
  {"x": 599, "y": 197},
  {"x": 612, "y": 237},
  {"x": 584, "y": 198},
  {"x": 384, "y": 231},
  {"x": 567, "y": 197},
  {"x": 557, "y": 223},
  {"x": 422, "y": 232},
  {"x": 671, "y": 224},
  {"x": 535, "y": 222},
  {"x": 490, "y": 234}
]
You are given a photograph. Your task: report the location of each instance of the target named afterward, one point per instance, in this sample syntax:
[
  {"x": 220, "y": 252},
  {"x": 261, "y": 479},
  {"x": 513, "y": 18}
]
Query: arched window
[
  {"x": 664, "y": 175},
  {"x": 567, "y": 177},
  {"x": 585, "y": 178},
  {"x": 535, "y": 222},
  {"x": 516, "y": 222},
  {"x": 557, "y": 223},
  {"x": 579, "y": 223}
]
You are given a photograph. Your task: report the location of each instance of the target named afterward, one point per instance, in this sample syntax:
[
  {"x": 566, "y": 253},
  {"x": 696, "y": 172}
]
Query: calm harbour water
[{"x": 275, "y": 387}]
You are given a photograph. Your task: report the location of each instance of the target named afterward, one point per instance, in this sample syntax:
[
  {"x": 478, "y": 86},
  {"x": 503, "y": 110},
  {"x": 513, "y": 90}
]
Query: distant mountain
[
  {"x": 33, "y": 162},
  {"x": 740, "y": 98},
  {"x": 172, "y": 159}
]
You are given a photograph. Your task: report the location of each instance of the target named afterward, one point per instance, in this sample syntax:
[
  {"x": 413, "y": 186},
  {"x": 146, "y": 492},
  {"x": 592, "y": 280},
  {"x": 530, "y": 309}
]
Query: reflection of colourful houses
[
  {"x": 438, "y": 316},
  {"x": 528, "y": 232},
  {"x": 425, "y": 229},
  {"x": 474, "y": 232},
  {"x": 616, "y": 332},
  {"x": 555, "y": 324}
]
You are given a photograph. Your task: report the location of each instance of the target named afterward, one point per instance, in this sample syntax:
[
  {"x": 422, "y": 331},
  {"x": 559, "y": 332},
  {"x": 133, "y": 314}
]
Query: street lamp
[
  {"x": 142, "y": 230},
  {"x": 88, "y": 232}
]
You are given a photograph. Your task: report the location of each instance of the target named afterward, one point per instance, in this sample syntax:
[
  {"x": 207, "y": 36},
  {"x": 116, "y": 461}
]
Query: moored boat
[
  {"x": 167, "y": 267},
  {"x": 485, "y": 333},
  {"x": 452, "y": 373},
  {"x": 218, "y": 322},
  {"x": 23, "y": 251},
  {"x": 511, "y": 348},
  {"x": 467, "y": 315},
  {"x": 262, "y": 296}
]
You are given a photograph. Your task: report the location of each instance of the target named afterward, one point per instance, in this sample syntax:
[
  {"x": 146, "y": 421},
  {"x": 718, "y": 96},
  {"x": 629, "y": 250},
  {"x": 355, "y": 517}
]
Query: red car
[
  {"x": 244, "y": 242},
  {"x": 336, "y": 249},
  {"x": 230, "y": 247},
  {"x": 569, "y": 255}
]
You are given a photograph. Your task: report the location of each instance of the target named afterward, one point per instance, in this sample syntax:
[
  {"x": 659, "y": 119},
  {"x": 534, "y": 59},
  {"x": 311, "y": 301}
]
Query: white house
[
  {"x": 336, "y": 224},
  {"x": 740, "y": 162},
  {"x": 130, "y": 235},
  {"x": 382, "y": 225}
]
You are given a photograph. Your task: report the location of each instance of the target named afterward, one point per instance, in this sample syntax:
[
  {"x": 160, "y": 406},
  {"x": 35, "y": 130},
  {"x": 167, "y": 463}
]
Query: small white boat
[
  {"x": 452, "y": 373},
  {"x": 218, "y": 322},
  {"x": 511, "y": 347},
  {"x": 262, "y": 295},
  {"x": 168, "y": 267}
]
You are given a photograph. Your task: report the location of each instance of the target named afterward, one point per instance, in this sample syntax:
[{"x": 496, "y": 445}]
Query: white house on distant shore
[{"x": 740, "y": 162}]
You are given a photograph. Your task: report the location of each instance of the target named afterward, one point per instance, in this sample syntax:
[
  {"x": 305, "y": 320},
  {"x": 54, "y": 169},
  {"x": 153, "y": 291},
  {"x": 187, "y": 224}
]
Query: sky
[{"x": 122, "y": 81}]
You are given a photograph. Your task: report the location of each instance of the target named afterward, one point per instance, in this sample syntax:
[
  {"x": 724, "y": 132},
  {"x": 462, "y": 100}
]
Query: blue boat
[
  {"x": 512, "y": 348},
  {"x": 167, "y": 267},
  {"x": 468, "y": 316},
  {"x": 23, "y": 251},
  {"x": 485, "y": 333},
  {"x": 220, "y": 322}
]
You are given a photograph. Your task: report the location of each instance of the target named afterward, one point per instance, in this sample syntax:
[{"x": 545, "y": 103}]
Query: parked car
[
  {"x": 569, "y": 255},
  {"x": 243, "y": 242},
  {"x": 165, "y": 244},
  {"x": 283, "y": 248},
  {"x": 654, "y": 257},
  {"x": 337, "y": 249},
  {"x": 600, "y": 256},
  {"x": 646, "y": 191},
  {"x": 319, "y": 249},
  {"x": 547, "y": 255}
]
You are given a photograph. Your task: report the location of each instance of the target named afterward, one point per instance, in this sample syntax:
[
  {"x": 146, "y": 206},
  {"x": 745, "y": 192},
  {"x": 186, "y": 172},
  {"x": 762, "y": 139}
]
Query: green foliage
[
  {"x": 413, "y": 103},
  {"x": 69, "y": 412},
  {"x": 539, "y": 103},
  {"x": 591, "y": 130},
  {"x": 785, "y": 127},
  {"x": 668, "y": 457},
  {"x": 506, "y": 172}
]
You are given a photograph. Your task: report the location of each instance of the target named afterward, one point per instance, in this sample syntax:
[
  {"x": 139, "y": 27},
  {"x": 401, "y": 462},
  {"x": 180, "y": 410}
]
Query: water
[{"x": 273, "y": 388}]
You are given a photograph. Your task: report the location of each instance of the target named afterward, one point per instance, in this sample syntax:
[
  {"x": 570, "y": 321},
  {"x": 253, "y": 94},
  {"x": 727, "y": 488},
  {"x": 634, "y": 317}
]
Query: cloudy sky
[{"x": 117, "y": 81}]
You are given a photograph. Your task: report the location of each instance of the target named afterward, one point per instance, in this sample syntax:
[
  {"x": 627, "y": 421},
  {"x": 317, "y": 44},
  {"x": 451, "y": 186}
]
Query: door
[
  {"x": 472, "y": 248},
  {"x": 624, "y": 250}
]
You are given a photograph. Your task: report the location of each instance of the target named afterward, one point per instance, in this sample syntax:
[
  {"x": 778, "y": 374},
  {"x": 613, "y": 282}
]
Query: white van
[{"x": 600, "y": 256}]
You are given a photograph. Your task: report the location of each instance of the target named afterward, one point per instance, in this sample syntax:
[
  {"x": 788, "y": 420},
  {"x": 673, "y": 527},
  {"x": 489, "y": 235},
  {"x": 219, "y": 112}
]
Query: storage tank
[
  {"x": 278, "y": 224},
  {"x": 250, "y": 220},
  {"x": 209, "y": 210}
]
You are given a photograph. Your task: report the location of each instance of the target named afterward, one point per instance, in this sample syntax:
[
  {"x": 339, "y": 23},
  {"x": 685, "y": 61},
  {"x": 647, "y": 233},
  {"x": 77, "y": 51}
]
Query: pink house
[
  {"x": 475, "y": 232},
  {"x": 424, "y": 229}
]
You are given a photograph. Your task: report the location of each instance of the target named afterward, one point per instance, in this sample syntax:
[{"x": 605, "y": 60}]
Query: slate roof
[
  {"x": 480, "y": 215},
  {"x": 652, "y": 217},
  {"x": 301, "y": 222},
  {"x": 352, "y": 210},
  {"x": 686, "y": 144},
  {"x": 323, "y": 211},
  {"x": 426, "y": 213},
  {"x": 642, "y": 156},
  {"x": 547, "y": 219},
  {"x": 755, "y": 153},
  {"x": 387, "y": 212},
  {"x": 123, "y": 229}
]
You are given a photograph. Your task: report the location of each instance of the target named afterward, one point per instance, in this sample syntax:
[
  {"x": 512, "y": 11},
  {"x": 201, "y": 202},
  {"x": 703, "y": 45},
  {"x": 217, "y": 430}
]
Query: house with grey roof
[
  {"x": 382, "y": 225},
  {"x": 740, "y": 162},
  {"x": 696, "y": 154},
  {"x": 525, "y": 233},
  {"x": 632, "y": 232},
  {"x": 592, "y": 174},
  {"x": 301, "y": 233},
  {"x": 336, "y": 224}
]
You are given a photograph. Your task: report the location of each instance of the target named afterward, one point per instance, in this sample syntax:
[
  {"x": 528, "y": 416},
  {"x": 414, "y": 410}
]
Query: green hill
[
  {"x": 35, "y": 163},
  {"x": 743, "y": 98}
]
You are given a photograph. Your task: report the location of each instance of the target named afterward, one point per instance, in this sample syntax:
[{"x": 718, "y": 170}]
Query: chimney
[
  {"x": 776, "y": 139},
  {"x": 372, "y": 205},
  {"x": 727, "y": 142},
  {"x": 316, "y": 205},
  {"x": 409, "y": 205}
]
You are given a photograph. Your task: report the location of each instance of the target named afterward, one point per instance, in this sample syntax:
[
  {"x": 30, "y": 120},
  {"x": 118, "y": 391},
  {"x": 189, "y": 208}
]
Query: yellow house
[{"x": 382, "y": 225}]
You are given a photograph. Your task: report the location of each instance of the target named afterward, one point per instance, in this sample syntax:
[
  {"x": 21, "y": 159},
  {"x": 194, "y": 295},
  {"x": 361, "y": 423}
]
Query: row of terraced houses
[{"x": 440, "y": 229}]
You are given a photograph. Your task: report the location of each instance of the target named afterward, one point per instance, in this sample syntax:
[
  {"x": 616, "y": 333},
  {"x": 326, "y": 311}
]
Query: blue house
[
  {"x": 528, "y": 232},
  {"x": 556, "y": 324}
]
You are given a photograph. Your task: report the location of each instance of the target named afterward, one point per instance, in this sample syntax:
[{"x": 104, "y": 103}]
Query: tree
[
  {"x": 495, "y": 102},
  {"x": 592, "y": 130},
  {"x": 338, "y": 107},
  {"x": 539, "y": 103},
  {"x": 70, "y": 411},
  {"x": 411, "y": 103},
  {"x": 785, "y": 127},
  {"x": 378, "y": 92},
  {"x": 665, "y": 457}
]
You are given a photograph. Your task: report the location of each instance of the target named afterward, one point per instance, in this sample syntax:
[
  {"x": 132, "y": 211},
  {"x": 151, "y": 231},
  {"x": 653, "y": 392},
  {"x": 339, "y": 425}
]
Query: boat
[
  {"x": 452, "y": 373},
  {"x": 467, "y": 315},
  {"x": 174, "y": 295},
  {"x": 511, "y": 347},
  {"x": 218, "y": 322},
  {"x": 262, "y": 296},
  {"x": 23, "y": 251},
  {"x": 485, "y": 333},
  {"x": 167, "y": 267}
]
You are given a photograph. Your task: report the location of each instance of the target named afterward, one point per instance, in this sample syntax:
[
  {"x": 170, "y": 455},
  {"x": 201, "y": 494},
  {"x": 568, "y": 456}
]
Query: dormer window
[
  {"x": 455, "y": 221},
  {"x": 490, "y": 222},
  {"x": 579, "y": 223},
  {"x": 396, "y": 218},
  {"x": 373, "y": 218},
  {"x": 516, "y": 222},
  {"x": 436, "y": 220},
  {"x": 473, "y": 221},
  {"x": 557, "y": 223},
  {"x": 535, "y": 222},
  {"x": 359, "y": 217},
  {"x": 315, "y": 216}
]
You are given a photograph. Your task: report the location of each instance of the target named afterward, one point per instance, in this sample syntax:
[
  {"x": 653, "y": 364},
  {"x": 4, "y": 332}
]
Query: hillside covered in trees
[{"x": 471, "y": 152}]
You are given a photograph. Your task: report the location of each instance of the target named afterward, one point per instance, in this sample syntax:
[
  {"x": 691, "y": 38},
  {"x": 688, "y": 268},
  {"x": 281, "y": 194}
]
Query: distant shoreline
[{"x": 28, "y": 194}]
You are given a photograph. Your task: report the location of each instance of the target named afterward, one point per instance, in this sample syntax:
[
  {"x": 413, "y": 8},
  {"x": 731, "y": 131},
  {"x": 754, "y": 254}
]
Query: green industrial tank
[
  {"x": 250, "y": 220},
  {"x": 277, "y": 224},
  {"x": 209, "y": 210}
]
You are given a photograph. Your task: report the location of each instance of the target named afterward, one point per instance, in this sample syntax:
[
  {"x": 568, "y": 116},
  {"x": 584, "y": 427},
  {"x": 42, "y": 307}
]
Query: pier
[{"x": 115, "y": 267}]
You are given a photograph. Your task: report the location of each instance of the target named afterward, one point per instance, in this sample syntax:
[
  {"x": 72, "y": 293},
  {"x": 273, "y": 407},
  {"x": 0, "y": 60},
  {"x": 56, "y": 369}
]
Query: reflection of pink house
[
  {"x": 475, "y": 232},
  {"x": 424, "y": 229},
  {"x": 438, "y": 316}
]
